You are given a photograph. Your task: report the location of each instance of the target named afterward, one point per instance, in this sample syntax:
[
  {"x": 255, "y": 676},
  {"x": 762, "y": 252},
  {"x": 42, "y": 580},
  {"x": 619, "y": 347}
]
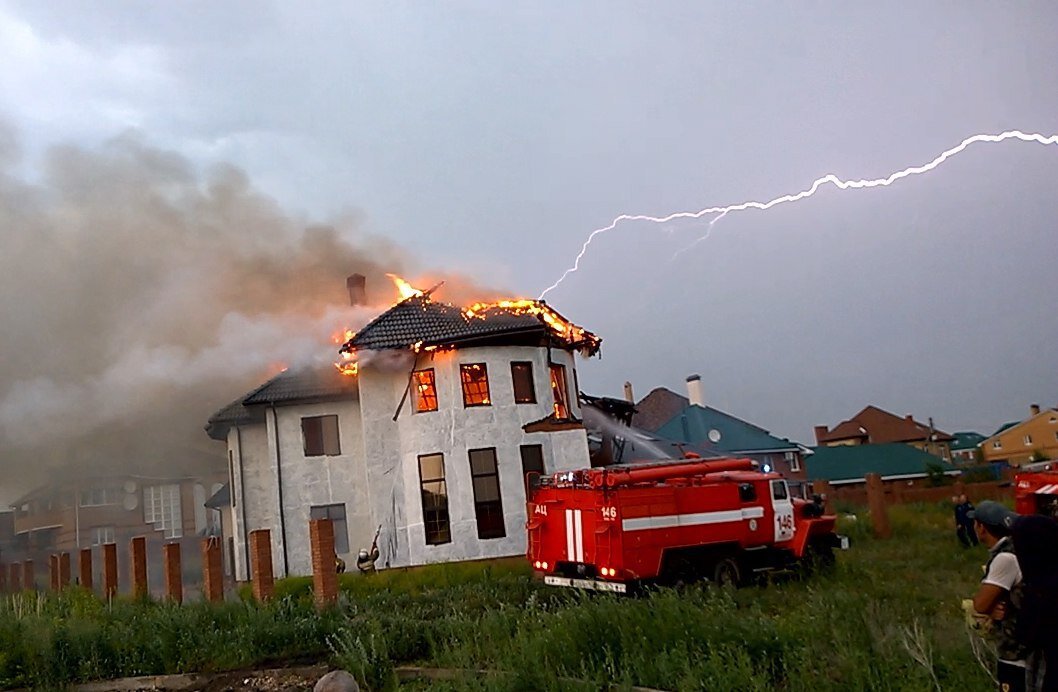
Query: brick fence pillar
[
  {"x": 29, "y": 576},
  {"x": 212, "y": 570},
  {"x": 110, "y": 570},
  {"x": 84, "y": 563},
  {"x": 174, "y": 582},
  {"x": 53, "y": 572},
  {"x": 138, "y": 566},
  {"x": 324, "y": 571},
  {"x": 876, "y": 503},
  {"x": 16, "y": 577},
  {"x": 261, "y": 578},
  {"x": 3, "y": 578},
  {"x": 64, "y": 571}
]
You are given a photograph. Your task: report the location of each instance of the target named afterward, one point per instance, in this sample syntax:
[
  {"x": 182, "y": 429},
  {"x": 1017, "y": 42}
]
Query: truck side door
[{"x": 783, "y": 507}]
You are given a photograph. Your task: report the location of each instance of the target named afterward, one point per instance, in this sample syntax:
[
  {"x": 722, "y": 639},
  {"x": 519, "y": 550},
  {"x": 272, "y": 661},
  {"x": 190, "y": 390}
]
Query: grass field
[{"x": 887, "y": 618}]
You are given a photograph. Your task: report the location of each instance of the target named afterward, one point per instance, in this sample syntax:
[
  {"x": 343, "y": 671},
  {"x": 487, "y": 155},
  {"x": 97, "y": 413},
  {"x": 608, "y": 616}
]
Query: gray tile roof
[
  {"x": 420, "y": 319},
  {"x": 321, "y": 382}
]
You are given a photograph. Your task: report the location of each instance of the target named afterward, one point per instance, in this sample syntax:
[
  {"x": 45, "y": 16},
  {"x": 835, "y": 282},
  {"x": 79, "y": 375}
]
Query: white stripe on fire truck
[
  {"x": 1051, "y": 489},
  {"x": 570, "y": 553},
  {"x": 579, "y": 533},
  {"x": 672, "y": 520}
]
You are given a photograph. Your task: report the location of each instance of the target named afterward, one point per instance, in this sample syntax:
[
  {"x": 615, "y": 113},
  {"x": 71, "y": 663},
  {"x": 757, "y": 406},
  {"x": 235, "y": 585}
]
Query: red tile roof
[{"x": 877, "y": 426}]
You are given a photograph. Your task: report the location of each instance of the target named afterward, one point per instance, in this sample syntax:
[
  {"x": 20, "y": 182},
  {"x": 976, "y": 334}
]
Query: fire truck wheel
[
  {"x": 727, "y": 573},
  {"x": 819, "y": 557}
]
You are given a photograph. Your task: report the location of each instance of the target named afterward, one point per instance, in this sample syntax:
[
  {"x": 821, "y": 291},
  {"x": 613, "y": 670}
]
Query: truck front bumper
[{"x": 591, "y": 584}]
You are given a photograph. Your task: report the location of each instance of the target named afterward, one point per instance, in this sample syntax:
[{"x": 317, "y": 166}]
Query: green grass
[{"x": 887, "y": 618}]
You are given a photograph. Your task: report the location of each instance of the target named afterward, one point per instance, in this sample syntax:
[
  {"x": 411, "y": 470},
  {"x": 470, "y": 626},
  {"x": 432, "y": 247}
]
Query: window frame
[
  {"x": 418, "y": 395},
  {"x": 464, "y": 369},
  {"x": 443, "y": 519},
  {"x": 793, "y": 462},
  {"x": 525, "y": 366},
  {"x": 341, "y": 535},
  {"x": 307, "y": 421},
  {"x": 487, "y": 512},
  {"x": 528, "y": 483},
  {"x": 560, "y": 384}
]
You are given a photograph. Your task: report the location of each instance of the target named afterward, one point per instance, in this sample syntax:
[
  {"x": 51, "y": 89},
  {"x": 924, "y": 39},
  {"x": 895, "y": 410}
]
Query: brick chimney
[
  {"x": 357, "y": 286},
  {"x": 694, "y": 390},
  {"x": 1034, "y": 409},
  {"x": 821, "y": 432},
  {"x": 629, "y": 396}
]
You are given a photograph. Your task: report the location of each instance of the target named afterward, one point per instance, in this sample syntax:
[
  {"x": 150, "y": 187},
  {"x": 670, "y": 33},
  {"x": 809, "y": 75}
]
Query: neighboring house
[
  {"x": 708, "y": 431},
  {"x": 66, "y": 516},
  {"x": 428, "y": 440},
  {"x": 965, "y": 446},
  {"x": 873, "y": 425},
  {"x": 850, "y": 464},
  {"x": 1033, "y": 439}
]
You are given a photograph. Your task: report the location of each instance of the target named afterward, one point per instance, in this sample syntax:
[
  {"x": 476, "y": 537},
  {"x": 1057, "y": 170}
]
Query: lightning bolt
[{"x": 818, "y": 183}]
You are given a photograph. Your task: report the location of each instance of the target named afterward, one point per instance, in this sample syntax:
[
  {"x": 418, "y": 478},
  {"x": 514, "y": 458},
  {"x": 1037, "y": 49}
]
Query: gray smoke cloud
[{"x": 141, "y": 295}]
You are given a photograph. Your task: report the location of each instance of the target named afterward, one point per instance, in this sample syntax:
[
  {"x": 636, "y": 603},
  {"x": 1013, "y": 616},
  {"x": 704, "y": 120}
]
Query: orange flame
[{"x": 405, "y": 288}]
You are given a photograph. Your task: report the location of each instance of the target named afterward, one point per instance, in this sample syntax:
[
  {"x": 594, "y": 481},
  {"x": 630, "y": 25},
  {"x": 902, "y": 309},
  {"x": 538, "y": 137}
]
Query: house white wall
[{"x": 376, "y": 476}]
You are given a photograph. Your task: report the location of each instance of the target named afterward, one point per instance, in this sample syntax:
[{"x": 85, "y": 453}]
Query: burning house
[{"x": 425, "y": 433}]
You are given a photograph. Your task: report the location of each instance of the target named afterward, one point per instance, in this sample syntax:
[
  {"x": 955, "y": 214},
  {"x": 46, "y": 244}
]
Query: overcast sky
[{"x": 489, "y": 139}]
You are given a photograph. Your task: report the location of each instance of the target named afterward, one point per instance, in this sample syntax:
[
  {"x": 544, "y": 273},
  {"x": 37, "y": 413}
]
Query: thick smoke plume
[{"x": 139, "y": 297}]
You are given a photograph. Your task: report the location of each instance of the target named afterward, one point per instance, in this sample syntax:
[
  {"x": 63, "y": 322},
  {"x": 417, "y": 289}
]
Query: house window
[
  {"x": 425, "y": 389},
  {"x": 532, "y": 466},
  {"x": 336, "y": 513},
  {"x": 560, "y": 391},
  {"x": 522, "y": 377},
  {"x": 1027, "y": 439},
  {"x": 793, "y": 461},
  {"x": 475, "y": 378},
  {"x": 320, "y": 436},
  {"x": 488, "y": 506},
  {"x": 434, "y": 499},
  {"x": 996, "y": 444},
  {"x": 102, "y": 534},
  {"x": 98, "y": 497},
  {"x": 161, "y": 507}
]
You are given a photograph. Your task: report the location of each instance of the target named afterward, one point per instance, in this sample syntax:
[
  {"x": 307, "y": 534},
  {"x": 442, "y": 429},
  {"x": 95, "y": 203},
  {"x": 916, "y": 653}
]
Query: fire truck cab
[
  {"x": 1036, "y": 489},
  {"x": 615, "y": 528}
]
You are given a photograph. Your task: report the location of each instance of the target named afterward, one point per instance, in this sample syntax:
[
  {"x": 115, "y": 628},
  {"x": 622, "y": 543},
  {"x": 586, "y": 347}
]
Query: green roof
[
  {"x": 966, "y": 440},
  {"x": 719, "y": 431},
  {"x": 1005, "y": 426},
  {"x": 851, "y": 463}
]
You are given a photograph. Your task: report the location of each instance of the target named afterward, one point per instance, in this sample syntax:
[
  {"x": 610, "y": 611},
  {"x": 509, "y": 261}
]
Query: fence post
[
  {"x": 876, "y": 502},
  {"x": 3, "y": 577},
  {"x": 29, "y": 577},
  {"x": 64, "y": 571},
  {"x": 53, "y": 572},
  {"x": 85, "y": 565},
  {"x": 174, "y": 580},
  {"x": 212, "y": 570},
  {"x": 822, "y": 488},
  {"x": 16, "y": 577},
  {"x": 262, "y": 580},
  {"x": 324, "y": 571},
  {"x": 110, "y": 570},
  {"x": 138, "y": 563}
]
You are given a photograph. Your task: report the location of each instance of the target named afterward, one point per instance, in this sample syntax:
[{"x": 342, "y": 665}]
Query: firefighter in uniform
[
  {"x": 365, "y": 560},
  {"x": 998, "y": 600}
]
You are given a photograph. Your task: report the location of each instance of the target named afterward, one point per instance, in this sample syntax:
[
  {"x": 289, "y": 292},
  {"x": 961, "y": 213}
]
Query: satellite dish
[
  {"x": 714, "y": 435},
  {"x": 130, "y": 486},
  {"x": 131, "y": 501}
]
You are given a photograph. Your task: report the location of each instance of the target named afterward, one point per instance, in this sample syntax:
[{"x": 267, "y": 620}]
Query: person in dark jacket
[
  {"x": 1035, "y": 540},
  {"x": 964, "y": 525}
]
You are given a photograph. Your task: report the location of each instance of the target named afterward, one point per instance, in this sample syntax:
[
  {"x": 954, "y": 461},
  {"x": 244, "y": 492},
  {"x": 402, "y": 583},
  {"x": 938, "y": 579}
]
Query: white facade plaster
[{"x": 376, "y": 476}]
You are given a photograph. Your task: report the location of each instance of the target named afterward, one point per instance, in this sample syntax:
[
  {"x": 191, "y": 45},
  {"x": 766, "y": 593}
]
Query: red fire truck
[
  {"x": 615, "y": 528},
  {"x": 1036, "y": 489}
]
